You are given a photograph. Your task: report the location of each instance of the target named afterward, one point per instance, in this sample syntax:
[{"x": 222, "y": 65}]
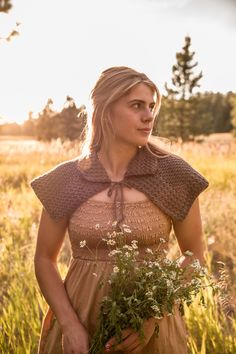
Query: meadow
[{"x": 211, "y": 329}]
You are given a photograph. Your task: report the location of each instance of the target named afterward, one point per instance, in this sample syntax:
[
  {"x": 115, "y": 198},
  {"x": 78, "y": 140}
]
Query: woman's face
[{"x": 132, "y": 116}]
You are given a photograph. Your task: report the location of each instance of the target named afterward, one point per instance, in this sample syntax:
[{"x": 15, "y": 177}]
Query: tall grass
[{"x": 22, "y": 306}]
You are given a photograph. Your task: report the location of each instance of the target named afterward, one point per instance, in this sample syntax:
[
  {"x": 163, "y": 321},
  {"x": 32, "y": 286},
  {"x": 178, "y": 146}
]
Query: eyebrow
[{"x": 141, "y": 101}]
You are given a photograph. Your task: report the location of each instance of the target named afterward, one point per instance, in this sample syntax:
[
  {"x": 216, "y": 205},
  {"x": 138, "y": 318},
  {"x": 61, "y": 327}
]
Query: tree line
[{"x": 184, "y": 113}]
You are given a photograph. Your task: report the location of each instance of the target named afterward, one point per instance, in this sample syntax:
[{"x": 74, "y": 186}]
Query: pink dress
[{"x": 148, "y": 224}]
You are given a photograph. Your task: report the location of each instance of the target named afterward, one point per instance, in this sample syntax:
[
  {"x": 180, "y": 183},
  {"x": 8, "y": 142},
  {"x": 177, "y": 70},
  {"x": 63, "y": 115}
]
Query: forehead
[{"x": 141, "y": 91}]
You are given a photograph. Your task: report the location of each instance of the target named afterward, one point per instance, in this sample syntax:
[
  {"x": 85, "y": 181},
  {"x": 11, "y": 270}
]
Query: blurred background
[{"x": 51, "y": 54}]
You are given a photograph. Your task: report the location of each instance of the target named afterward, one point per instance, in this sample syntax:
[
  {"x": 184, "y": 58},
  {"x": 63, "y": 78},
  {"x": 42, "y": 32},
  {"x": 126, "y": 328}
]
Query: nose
[{"x": 147, "y": 115}]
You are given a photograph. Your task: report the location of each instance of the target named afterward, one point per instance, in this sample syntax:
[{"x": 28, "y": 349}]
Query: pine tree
[{"x": 184, "y": 81}]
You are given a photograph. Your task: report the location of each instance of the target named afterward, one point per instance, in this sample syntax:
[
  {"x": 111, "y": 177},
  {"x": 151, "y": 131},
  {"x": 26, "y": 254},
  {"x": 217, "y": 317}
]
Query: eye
[
  {"x": 136, "y": 105},
  {"x": 152, "y": 108}
]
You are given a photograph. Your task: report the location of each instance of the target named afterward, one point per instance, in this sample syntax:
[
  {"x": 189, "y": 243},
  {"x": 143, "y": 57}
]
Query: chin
[
  {"x": 143, "y": 142},
  {"x": 138, "y": 142}
]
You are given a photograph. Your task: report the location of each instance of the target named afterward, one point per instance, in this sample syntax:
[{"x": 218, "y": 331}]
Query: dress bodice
[{"x": 94, "y": 219}]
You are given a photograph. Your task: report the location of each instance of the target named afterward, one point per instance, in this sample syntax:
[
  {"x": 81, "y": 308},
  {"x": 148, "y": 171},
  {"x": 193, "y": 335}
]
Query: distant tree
[
  {"x": 5, "y": 5},
  {"x": 202, "y": 120},
  {"x": 232, "y": 100},
  {"x": 68, "y": 124},
  {"x": 183, "y": 80},
  {"x": 11, "y": 129},
  {"x": 71, "y": 120},
  {"x": 178, "y": 109},
  {"x": 45, "y": 125},
  {"x": 221, "y": 111},
  {"x": 29, "y": 126}
]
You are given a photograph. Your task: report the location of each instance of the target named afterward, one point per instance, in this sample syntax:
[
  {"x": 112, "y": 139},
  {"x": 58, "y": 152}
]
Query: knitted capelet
[{"x": 169, "y": 182}]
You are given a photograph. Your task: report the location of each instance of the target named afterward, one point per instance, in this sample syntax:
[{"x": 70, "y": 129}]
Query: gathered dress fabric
[{"x": 91, "y": 222}]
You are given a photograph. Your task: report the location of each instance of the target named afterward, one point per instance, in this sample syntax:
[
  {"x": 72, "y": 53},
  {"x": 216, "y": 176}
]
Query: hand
[
  {"x": 75, "y": 340},
  {"x": 132, "y": 342}
]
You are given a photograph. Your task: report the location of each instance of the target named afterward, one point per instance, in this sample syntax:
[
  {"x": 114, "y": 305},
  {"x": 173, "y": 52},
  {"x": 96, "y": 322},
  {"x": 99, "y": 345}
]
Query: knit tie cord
[{"x": 117, "y": 188}]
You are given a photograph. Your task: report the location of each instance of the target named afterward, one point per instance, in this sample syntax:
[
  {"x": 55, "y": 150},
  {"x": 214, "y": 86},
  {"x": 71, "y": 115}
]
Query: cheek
[
  {"x": 122, "y": 120},
  {"x": 126, "y": 125}
]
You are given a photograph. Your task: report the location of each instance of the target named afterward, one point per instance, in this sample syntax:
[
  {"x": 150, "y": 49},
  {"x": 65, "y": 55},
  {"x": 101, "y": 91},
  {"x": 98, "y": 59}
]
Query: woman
[{"x": 124, "y": 178}]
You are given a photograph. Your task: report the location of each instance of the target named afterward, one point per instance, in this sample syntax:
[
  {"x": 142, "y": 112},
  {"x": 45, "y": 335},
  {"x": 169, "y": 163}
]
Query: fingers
[
  {"x": 112, "y": 342},
  {"x": 131, "y": 343}
]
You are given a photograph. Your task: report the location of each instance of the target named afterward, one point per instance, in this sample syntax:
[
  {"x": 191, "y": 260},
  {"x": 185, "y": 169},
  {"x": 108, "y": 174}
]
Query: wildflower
[
  {"x": 188, "y": 253},
  {"x": 149, "y": 293},
  {"x": 134, "y": 241},
  {"x": 155, "y": 308},
  {"x": 196, "y": 265},
  {"x": 156, "y": 283},
  {"x": 113, "y": 253},
  {"x": 129, "y": 248},
  {"x": 116, "y": 270},
  {"x": 113, "y": 234},
  {"x": 169, "y": 284},
  {"x": 150, "y": 264},
  {"x": 167, "y": 261},
  {"x": 158, "y": 317},
  {"x": 134, "y": 244},
  {"x": 82, "y": 243},
  {"x": 172, "y": 275},
  {"x": 127, "y": 230},
  {"x": 148, "y": 274},
  {"x": 97, "y": 226},
  {"x": 196, "y": 281},
  {"x": 111, "y": 242}
]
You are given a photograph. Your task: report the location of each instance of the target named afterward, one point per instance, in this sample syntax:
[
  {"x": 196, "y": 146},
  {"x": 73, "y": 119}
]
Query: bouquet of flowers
[{"x": 141, "y": 289}]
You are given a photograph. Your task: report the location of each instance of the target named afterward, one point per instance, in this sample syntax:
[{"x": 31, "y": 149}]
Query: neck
[{"x": 115, "y": 160}]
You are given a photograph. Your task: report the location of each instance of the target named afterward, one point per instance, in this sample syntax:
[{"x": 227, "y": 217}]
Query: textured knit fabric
[
  {"x": 90, "y": 222},
  {"x": 169, "y": 182}
]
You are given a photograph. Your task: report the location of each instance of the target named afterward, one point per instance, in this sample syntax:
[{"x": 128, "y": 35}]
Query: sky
[{"x": 64, "y": 45}]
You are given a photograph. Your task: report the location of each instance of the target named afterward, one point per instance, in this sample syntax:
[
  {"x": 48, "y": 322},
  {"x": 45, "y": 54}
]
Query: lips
[{"x": 146, "y": 130}]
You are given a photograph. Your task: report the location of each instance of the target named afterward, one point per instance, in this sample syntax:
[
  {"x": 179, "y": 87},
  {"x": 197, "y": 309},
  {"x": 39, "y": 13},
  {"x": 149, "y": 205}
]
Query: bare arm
[
  {"x": 49, "y": 241},
  {"x": 189, "y": 233}
]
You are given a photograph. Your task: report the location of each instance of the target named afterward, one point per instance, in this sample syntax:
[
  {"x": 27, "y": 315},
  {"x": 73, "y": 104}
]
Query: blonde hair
[{"x": 112, "y": 84}]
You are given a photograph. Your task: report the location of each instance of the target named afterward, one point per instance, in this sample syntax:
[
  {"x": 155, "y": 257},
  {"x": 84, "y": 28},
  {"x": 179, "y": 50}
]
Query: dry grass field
[{"x": 212, "y": 330}]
